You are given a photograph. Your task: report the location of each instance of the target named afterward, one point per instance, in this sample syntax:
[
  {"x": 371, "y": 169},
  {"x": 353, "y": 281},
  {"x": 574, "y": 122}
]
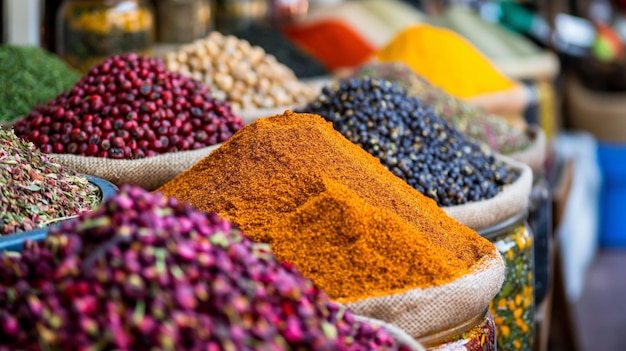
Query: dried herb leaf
[{"x": 35, "y": 191}]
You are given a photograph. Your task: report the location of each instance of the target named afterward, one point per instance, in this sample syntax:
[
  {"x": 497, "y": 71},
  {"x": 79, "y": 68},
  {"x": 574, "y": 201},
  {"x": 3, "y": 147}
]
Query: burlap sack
[
  {"x": 535, "y": 154},
  {"x": 421, "y": 312},
  {"x": 148, "y": 173},
  {"x": 398, "y": 334},
  {"x": 511, "y": 200}
]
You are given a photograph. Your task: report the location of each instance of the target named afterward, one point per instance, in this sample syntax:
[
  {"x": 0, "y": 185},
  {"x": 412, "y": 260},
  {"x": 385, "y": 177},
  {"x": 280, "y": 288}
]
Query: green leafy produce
[{"x": 30, "y": 76}]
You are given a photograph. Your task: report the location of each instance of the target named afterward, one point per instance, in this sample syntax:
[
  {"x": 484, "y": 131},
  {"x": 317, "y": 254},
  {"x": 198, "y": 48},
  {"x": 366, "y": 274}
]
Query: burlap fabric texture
[
  {"x": 398, "y": 334},
  {"x": 421, "y": 312},
  {"x": 535, "y": 154},
  {"x": 513, "y": 199},
  {"x": 148, "y": 173}
]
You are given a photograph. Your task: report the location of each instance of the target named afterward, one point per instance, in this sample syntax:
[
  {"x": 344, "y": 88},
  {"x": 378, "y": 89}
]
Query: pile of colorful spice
[
  {"x": 412, "y": 141},
  {"x": 147, "y": 272},
  {"x": 34, "y": 190},
  {"x": 293, "y": 181},
  {"x": 344, "y": 34},
  {"x": 130, "y": 107},
  {"x": 496, "y": 132},
  {"x": 240, "y": 73},
  {"x": 434, "y": 54},
  {"x": 30, "y": 76},
  {"x": 276, "y": 44}
]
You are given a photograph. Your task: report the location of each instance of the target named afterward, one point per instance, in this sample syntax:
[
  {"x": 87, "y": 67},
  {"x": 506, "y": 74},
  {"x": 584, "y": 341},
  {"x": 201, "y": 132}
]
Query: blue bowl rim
[{"x": 14, "y": 242}]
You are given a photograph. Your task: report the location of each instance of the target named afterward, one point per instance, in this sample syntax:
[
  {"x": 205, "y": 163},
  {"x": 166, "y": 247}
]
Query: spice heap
[
  {"x": 292, "y": 181},
  {"x": 412, "y": 141},
  {"x": 34, "y": 190},
  {"x": 275, "y": 43},
  {"x": 147, "y": 272},
  {"x": 30, "y": 76},
  {"x": 334, "y": 42},
  {"x": 240, "y": 73},
  {"x": 130, "y": 107},
  {"x": 499, "y": 134},
  {"x": 434, "y": 54}
]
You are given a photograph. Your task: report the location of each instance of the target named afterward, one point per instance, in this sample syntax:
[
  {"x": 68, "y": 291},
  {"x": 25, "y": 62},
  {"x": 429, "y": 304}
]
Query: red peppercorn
[{"x": 129, "y": 106}]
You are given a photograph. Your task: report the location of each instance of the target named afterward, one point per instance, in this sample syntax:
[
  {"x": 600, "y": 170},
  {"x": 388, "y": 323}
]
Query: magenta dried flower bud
[{"x": 144, "y": 271}]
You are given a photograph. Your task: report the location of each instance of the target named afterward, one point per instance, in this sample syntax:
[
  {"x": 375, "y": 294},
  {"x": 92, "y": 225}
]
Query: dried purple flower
[{"x": 146, "y": 272}]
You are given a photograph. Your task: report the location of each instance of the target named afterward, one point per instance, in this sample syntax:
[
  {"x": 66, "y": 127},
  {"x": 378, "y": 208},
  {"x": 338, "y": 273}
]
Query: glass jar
[
  {"x": 478, "y": 334},
  {"x": 89, "y": 31},
  {"x": 235, "y": 15},
  {"x": 540, "y": 219},
  {"x": 183, "y": 21},
  {"x": 513, "y": 307}
]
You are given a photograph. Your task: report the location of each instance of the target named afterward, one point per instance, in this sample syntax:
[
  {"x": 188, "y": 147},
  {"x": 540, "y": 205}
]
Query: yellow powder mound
[{"x": 447, "y": 60}]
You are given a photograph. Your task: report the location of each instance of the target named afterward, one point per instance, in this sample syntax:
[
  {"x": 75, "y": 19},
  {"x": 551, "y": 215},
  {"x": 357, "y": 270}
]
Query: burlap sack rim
[
  {"x": 513, "y": 199},
  {"x": 491, "y": 264},
  {"x": 479, "y": 266},
  {"x": 149, "y": 173},
  {"x": 534, "y": 155},
  {"x": 398, "y": 334}
]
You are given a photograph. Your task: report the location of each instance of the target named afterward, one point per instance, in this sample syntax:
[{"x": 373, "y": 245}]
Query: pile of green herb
[
  {"x": 30, "y": 76},
  {"x": 494, "y": 131},
  {"x": 34, "y": 190}
]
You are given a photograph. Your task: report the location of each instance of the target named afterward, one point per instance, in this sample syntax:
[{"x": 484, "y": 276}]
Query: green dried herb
[
  {"x": 30, "y": 76},
  {"x": 497, "y": 133},
  {"x": 35, "y": 191}
]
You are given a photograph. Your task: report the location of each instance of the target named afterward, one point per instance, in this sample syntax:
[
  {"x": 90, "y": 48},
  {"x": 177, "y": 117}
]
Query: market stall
[{"x": 276, "y": 175}]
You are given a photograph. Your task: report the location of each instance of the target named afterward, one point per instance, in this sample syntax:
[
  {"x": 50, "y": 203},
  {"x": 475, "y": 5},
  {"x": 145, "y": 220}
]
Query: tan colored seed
[
  {"x": 224, "y": 81},
  {"x": 173, "y": 66},
  {"x": 182, "y": 57},
  {"x": 236, "y": 107},
  {"x": 251, "y": 79},
  {"x": 264, "y": 85},
  {"x": 216, "y": 37},
  {"x": 197, "y": 76}
]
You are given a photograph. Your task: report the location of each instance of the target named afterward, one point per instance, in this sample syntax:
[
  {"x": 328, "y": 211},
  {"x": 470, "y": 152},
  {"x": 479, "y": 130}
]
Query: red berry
[
  {"x": 46, "y": 148},
  {"x": 117, "y": 142},
  {"x": 92, "y": 150},
  {"x": 58, "y": 148}
]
